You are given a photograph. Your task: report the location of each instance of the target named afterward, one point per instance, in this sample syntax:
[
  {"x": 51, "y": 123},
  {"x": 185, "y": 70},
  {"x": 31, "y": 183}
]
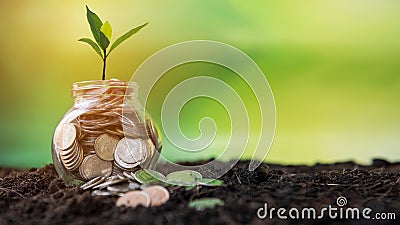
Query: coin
[
  {"x": 128, "y": 175},
  {"x": 68, "y": 152},
  {"x": 65, "y": 136},
  {"x": 105, "y": 145},
  {"x": 105, "y": 193},
  {"x": 92, "y": 166},
  {"x": 72, "y": 158},
  {"x": 93, "y": 182},
  {"x": 130, "y": 152},
  {"x": 133, "y": 186},
  {"x": 158, "y": 195},
  {"x": 133, "y": 199},
  {"x": 113, "y": 132},
  {"x": 116, "y": 169},
  {"x": 123, "y": 165},
  {"x": 113, "y": 177},
  {"x": 119, "y": 188},
  {"x": 109, "y": 183},
  {"x": 120, "y": 176}
]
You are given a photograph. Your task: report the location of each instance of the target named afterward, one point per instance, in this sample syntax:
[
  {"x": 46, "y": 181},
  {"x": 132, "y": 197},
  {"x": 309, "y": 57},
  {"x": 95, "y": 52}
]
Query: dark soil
[{"x": 38, "y": 196}]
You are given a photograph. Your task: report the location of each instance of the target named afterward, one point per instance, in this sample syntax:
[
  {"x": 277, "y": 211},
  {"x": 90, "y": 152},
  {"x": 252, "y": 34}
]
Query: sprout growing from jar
[{"x": 102, "y": 33}]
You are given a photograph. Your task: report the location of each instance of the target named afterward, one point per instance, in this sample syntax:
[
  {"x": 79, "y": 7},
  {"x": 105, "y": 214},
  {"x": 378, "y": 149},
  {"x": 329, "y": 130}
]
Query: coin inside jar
[
  {"x": 130, "y": 152},
  {"x": 72, "y": 157},
  {"x": 65, "y": 136},
  {"x": 87, "y": 141},
  {"x": 92, "y": 166},
  {"x": 105, "y": 145}
]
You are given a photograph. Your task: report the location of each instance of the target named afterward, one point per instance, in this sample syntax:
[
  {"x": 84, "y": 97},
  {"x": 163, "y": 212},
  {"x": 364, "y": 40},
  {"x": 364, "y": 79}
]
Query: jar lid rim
[{"x": 98, "y": 84}]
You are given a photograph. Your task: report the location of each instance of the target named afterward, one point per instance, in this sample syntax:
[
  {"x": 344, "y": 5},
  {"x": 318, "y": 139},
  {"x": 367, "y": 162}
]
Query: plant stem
[{"x": 104, "y": 64}]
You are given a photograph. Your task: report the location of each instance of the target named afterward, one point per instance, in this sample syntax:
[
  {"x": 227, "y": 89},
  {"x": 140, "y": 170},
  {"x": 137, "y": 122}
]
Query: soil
[{"x": 38, "y": 196}]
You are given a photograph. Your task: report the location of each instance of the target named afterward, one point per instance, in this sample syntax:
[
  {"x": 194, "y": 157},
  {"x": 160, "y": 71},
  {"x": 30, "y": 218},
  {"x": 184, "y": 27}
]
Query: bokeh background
[{"x": 333, "y": 67}]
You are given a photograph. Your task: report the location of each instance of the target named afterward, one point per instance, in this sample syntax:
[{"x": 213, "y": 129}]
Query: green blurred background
[{"x": 333, "y": 67}]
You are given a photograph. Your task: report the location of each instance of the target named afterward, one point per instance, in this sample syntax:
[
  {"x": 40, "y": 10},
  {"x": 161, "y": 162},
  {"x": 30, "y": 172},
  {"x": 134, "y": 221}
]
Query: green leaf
[
  {"x": 183, "y": 177},
  {"x": 126, "y": 36},
  {"x": 148, "y": 176},
  {"x": 104, "y": 42},
  {"x": 205, "y": 203},
  {"x": 106, "y": 30},
  {"x": 95, "y": 26},
  {"x": 93, "y": 44},
  {"x": 209, "y": 182},
  {"x": 188, "y": 188}
]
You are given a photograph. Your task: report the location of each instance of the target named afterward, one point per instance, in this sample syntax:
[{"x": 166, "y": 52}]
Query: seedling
[
  {"x": 209, "y": 182},
  {"x": 102, "y": 33},
  {"x": 188, "y": 178},
  {"x": 149, "y": 177},
  {"x": 205, "y": 203},
  {"x": 183, "y": 177}
]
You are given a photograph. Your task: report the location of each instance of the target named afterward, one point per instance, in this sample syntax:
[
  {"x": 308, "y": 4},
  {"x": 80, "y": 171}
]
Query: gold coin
[
  {"x": 129, "y": 152},
  {"x": 92, "y": 166},
  {"x": 133, "y": 199},
  {"x": 74, "y": 159},
  {"x": 105, "y": 145},
  {"x": 158, "y": 195},
  {"x": 69, "y": 151},
  {"x": 65, "y": 136}
]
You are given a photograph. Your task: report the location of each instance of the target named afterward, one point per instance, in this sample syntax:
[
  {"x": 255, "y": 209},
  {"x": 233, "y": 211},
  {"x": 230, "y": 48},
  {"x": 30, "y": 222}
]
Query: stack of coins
[
  {"x": 107, "y": 137},
  {"x": 71, "y": 153}
]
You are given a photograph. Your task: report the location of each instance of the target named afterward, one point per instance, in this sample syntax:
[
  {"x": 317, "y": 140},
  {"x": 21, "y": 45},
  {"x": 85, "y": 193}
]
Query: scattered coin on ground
[
  {"x": 90, "y": 184},
  {"x": 109, "y": 183},
  {"x": 120, "y": 188},
  {"x": 133, "y": 199},
  {"x": 105, "y": 193},
  {"x": 158, "y": 195}
]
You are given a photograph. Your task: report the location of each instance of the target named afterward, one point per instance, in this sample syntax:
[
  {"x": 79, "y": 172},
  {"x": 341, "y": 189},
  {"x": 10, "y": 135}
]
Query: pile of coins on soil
[
  {"x": 132, "y": 191},
  {"x": 102, "y": 136},
  {"x": 143, "y": 186}
]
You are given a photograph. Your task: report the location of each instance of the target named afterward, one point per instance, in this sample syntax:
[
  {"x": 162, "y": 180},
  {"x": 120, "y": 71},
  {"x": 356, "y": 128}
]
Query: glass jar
[{"x": 102, "y": 135}]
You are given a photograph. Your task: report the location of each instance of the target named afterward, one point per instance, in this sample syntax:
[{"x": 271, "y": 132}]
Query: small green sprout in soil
[
  {"x": 102, "y": 33},
  {"x": 205, "y": 203},
  {"x": 188, "y": 178},
  {"x": 149, "y": 176}
]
